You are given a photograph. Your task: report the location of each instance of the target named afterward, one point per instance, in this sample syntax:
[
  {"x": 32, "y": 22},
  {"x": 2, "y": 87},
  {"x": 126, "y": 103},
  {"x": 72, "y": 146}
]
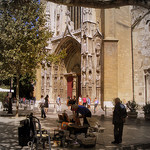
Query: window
[{"x": 75, "y": 16}]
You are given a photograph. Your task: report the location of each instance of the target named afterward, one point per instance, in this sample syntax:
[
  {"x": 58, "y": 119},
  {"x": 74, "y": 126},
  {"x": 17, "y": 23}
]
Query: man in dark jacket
[{"x": 119, "y": 116}]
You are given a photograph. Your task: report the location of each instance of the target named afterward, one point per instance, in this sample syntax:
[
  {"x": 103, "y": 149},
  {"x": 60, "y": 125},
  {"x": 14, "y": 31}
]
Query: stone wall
[
  {"x": 117, "y": 54},
  {"x": 141, "y": 49}
]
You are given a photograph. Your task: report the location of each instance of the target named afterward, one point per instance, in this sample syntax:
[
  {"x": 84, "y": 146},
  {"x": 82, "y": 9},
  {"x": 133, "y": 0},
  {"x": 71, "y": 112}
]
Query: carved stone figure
[
  {"x": 84, "y": 45},
  {"x": 98, "y": 49}
]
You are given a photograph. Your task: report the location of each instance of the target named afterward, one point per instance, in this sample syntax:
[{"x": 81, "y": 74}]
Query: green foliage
[
  {"x": 23, "y": 37},
  {"x": 132, "y": 105},
  {"x": 26, "y": 86},
  {"x": 146, "y": 108},
  {"x": 56, "y": 58}
]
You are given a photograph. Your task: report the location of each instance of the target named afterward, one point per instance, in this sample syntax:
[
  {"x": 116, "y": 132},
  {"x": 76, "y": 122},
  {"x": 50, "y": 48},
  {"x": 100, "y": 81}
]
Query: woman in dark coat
[{"x": 46, "y": 103}]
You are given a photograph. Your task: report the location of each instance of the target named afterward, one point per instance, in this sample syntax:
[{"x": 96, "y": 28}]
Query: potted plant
[
  {"x": 132, "y": 106},
  {"x": 146, "y": 109}
]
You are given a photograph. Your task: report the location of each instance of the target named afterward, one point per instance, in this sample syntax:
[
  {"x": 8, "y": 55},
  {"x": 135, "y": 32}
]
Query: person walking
[
  {"x": 42, "y": 104},
  {"x": 46, "y": 104},
  {"x": 96, "y": 101},
  {"x": 58, "y": 102},
  {"x": 119, "y": 115}
]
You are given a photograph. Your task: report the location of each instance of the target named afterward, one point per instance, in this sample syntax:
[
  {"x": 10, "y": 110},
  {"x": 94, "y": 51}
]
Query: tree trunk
[{"x": 17, "y": 95}]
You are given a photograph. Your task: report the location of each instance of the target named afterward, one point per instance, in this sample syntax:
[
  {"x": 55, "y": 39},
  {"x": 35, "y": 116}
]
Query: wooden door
[{"x": 69, "y": 86}]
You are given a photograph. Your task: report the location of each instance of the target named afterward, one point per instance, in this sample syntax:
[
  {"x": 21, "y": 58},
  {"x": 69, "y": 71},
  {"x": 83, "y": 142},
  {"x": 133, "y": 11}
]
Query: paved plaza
[{"x": 136, "y": 132}]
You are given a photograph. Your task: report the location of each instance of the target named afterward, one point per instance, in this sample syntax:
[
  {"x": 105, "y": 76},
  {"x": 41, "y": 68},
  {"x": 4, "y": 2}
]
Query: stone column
[{"x": 110, "y": 57}]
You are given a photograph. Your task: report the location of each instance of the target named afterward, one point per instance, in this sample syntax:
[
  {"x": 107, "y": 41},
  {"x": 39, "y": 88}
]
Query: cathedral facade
[{"x": 99, "y": 56}]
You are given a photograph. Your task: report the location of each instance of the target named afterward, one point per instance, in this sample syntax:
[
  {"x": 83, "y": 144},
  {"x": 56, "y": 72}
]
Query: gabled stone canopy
[{"x": 103, "y": 3}]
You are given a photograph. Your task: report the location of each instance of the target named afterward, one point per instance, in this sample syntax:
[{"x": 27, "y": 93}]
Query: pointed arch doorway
[
  {"x": 69, "y": 70},
  {"x": 72, "y": 66}
]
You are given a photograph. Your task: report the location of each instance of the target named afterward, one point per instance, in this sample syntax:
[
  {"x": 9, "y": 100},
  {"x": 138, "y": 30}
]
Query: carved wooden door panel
[{"x": 69, "y": 86}]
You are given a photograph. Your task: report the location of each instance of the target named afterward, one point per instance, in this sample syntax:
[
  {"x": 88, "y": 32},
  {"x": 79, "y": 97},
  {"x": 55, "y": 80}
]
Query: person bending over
[{"x": 83, "y": 111}]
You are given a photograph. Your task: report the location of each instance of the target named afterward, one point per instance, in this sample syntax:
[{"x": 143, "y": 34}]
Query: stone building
[
  {"x": 141, "y": 53},
  {"x": 99, "y": 58}
]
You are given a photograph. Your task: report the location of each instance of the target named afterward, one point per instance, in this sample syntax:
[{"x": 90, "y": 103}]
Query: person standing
[
  {"x": 9, "y": 105},
  {"x": 6, "y": 103},
  {"x": 42, "y": 104},
  {"x": 88, "y": 102},
  {"x": 119, "y": 115},
  {"x": 84, "y": 101},
  {"x": 58, "y": 102},
  {"x": 46, "y": 104},
  {"x": 80, "y": 100},
  {"x": 74, "y": 100}
]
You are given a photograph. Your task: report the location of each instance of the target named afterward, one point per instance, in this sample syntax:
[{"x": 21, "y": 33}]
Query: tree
[{"x": 23, "y": 38}]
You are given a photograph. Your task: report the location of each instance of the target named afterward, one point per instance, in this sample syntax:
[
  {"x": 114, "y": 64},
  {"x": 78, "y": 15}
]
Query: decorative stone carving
[
  {"x": 83, "y": 79},
  {"x": 76, "y": 68},
  {"x": 90, "y": 78},
  {"x": 98, "y": 49},
  {"x": 55, "y": 69},
  {"x": 42, "y": 92},
  {"x": 98, "y": 63},
  {"x": 42, "y": 82},
  {"x": 98, "y": 93},
  {"x": 69, "y": 22},
  {"x": 84, "y": 64},
  {"x": 147, "y": 71},
  {"x": 90, "y": 91},
  {"x": 87, "y": 11},
  {"x": 90, "y": 62},
  {"x": 84, "y": 45},
  {"x": 98, "y": 80},
  {"x": 61, "y": 81},
  {"x": 47, "y": 83},
  {"x": 84, "y": 29}
]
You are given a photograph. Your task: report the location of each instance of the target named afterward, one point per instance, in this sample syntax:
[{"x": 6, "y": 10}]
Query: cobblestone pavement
[{"x": 136, "y": 132}]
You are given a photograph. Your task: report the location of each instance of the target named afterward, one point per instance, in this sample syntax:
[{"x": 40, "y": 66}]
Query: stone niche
[{"x": 147, "y": 85}]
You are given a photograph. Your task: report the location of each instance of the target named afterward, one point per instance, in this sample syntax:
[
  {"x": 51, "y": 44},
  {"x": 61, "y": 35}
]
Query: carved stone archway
[{"x": 71, "y": 67}]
